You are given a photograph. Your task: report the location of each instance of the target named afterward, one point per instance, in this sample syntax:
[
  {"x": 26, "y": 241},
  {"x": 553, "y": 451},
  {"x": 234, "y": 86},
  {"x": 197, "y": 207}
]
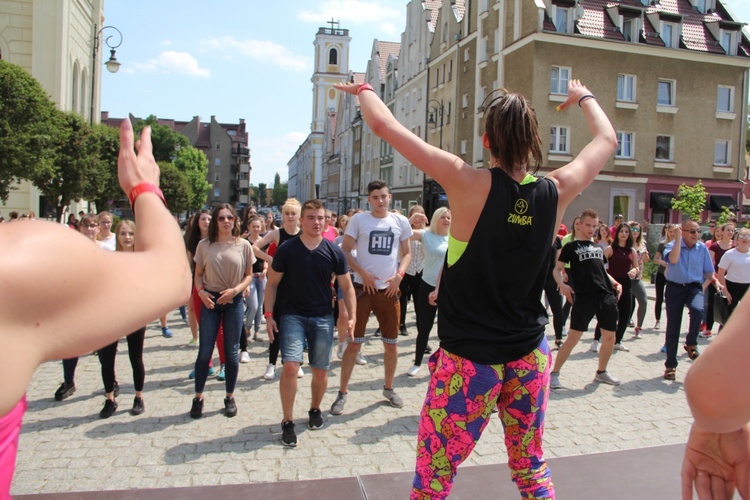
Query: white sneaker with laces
[
  {"x": 244, "y": 357},
  {"x": 361, "y": 359},
  {"x": 300, "y": 373},
  {"x": 606, "y": 378},
  {"x": 554, "y": 381},
  {"x": 413, "y": 371},
  {"x": 270, "y": 372},
  {"x": 594, "y": 346},
  {"x": 620, "y": 347}
]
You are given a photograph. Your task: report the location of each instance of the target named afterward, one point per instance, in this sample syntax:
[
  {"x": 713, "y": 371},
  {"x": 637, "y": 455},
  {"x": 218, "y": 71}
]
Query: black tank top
[{"x": 490, "y": 309}]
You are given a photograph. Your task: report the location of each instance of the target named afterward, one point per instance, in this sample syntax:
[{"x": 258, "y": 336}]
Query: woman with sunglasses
[
  {"x": 724, "y": 242},
  {"x": 223, "y": 271}
]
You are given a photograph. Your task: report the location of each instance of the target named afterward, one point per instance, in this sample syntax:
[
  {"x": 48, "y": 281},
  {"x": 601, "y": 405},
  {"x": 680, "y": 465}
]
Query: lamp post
[
  {"x": 112, "y": 63},
  {"x": 431, "y": 190},
  {"x": 436, "y": 111}
]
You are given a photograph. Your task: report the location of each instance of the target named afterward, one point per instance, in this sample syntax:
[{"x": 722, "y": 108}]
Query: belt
[{"x": 694, "y": 283}]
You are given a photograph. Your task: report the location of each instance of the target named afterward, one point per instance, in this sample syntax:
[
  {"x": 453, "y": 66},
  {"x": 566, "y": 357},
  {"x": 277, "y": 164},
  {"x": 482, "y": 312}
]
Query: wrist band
[
  {"x": 400, "y": 273},
  {"x": 144, "y": 187},
  {"x": 365, "y": 86},
  {"x": 584, "y": 97},
  {"x": 267, "y": 315}
]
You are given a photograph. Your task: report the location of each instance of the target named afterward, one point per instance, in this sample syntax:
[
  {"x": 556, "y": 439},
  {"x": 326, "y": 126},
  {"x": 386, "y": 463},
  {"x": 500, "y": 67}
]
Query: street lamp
[
  {"x": 431, "y": 190},
  {"x": 112, "y": 63},
  {"x": 435, "y": 113}
]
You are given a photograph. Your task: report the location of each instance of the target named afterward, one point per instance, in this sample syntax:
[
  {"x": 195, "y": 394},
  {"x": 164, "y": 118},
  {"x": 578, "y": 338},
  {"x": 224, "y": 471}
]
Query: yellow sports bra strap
[{"x": 455, "y": 249}]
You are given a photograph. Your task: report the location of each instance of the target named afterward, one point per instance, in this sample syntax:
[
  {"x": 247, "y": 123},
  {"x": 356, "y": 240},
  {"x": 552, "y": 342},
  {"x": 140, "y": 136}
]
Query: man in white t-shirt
[{"x": 377, "y": 236}]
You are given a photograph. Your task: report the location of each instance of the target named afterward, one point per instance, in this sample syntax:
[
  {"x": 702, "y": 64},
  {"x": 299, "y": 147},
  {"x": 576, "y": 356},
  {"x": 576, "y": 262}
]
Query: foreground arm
[{"x": 59, "y": 278}]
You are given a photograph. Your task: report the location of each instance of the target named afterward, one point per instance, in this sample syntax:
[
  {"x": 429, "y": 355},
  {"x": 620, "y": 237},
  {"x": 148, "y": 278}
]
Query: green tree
[
  {"x": 27, "y": 130},
  {"x": 193, "y": 163},
  {"x": 726, "y": 214},
  {"x": 175, "y": 186},
  {"x": 262, "y": 192},
  {"x": 166, "y": 142},
  {"x": 280, "y": 191},
  {"x": 691, "y": 201},
  {"x": 109, "y": 148}
]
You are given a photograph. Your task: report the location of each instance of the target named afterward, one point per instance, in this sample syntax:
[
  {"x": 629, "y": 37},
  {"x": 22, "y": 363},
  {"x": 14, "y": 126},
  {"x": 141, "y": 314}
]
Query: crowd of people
[{"x": 480, "y": 274}]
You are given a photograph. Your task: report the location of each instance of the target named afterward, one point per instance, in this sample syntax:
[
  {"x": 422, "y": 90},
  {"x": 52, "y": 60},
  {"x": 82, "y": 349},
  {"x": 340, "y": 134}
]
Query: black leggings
[
  {"x": 425, "y": 318},
  {"x": 709, "y": 315},
  {"x": 409, "y": 288},
  {"x": 737, "y": 291},
  {"x": 135, "y": 353},
  {"x": 660, "y": 282},
  {"x": 556, "y": 305},
  {"x": 623, "y": 311}
]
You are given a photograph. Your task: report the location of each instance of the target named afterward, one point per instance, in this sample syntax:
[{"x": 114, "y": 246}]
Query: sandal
[
  {"x": 692, "y": 351},
  {"x": 669, "y": 374},
  {"x": 558, "y": 343}
]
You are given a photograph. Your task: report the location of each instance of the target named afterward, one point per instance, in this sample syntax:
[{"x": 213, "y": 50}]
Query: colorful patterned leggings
[{"x": 457, "y": 408}]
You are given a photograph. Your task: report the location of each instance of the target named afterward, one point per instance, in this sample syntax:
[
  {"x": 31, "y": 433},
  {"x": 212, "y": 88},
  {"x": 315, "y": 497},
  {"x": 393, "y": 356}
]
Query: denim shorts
[{"x": 318, "y": 331}]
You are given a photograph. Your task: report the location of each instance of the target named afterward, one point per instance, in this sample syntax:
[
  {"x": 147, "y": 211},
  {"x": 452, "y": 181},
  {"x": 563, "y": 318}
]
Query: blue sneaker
[
  {"x": 191, "y": 376},
  {"x": 222, "y": 376},
  {"x": 211, "y": 372},
  {"x": 664, "y": 348},
  {"x": 166, "y": 332}
]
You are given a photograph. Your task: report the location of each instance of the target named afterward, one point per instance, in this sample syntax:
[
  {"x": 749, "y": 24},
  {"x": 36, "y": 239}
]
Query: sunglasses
[
  {"x": 228, "y": 218},
  {"x": 636, "y": 230},
  {"x": 691, "y": 231},
  {"x": 743, "y": 237}
]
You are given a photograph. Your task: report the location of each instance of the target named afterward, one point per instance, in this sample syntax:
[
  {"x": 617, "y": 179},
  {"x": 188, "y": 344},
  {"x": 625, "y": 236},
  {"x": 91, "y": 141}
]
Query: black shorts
[{"x": 586, "y": 306}]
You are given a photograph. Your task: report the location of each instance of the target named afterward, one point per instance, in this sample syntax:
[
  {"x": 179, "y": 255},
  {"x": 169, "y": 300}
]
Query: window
[
  {"x": 629, "y": 28},
  {"x": 217, "y": 162},
  {"x": 728, "y": 41},
  {"x": 463, "y": 147},
  {"x": 333, "y": 56},
  {"x": 465, "y": 101},
  {"x": 559, "y": 139},
  {"x": 626, "y": 88},
  {"x": 563, "y": 20},
  {"x": 721, "y": 153},
  {"x": 218, "y": 146},
  {"x": 216, "y": 177},
  {"x": 467, "y": 55},
  {"x": 725, "y": 99},
  {"x": 664, "y": 148},
  {"x": 670, "y": 34},
  {"x": 559, "y": 80},
  {"x": 665, "y": 93},
  {"x": 624, "y": 145},
  {"x": 217, "y": 192},
  {"x": 703, "y": 6}
]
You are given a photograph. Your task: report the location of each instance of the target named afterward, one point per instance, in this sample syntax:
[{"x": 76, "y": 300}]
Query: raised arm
[{"x": 270, "y": 237}]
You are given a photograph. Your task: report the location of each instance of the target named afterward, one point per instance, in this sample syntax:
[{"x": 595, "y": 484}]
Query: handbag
[{"x": 721, "y": 308}]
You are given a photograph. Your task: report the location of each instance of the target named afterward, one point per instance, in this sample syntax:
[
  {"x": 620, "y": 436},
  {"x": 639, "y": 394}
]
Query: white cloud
[
  {"x": 356, "y": 12},
  {"x": 264, "y": 51},
  {"x": 172, "y": 62}
]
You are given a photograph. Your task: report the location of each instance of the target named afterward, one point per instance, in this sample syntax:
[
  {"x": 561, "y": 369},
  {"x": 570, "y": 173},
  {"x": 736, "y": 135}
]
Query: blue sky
[{"x": 248, "y": 59}]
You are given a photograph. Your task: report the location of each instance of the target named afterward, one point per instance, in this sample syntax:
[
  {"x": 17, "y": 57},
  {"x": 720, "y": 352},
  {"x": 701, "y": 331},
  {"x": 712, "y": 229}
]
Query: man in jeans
[
  {"x": 308, "y": 262},
  {"x": 689, "y": 272},
  {"x": 378, "y": 236}
]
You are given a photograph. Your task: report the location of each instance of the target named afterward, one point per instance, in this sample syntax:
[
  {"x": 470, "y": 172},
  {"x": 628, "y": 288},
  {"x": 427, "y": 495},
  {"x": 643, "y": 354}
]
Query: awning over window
[
  {"x": 718, "y": 201},
  {"x": 661, "y": 201}
]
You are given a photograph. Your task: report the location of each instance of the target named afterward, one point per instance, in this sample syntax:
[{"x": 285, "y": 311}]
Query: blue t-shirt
[
  {"x": 307, "y": 276},
  {"x": 434, "y": 247}
]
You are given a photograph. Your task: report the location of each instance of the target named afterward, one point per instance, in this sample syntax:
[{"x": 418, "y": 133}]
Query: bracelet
[
  {"x": 267, "y": 315},
  {"x": 365, "y": 86},
  {"x": 584, "y": 97},
  {"x": 401, "y": 273},
  {"x": 144, "y": 187}
]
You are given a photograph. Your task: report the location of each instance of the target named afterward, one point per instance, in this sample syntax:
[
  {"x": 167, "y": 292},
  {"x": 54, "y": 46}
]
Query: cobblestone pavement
[{"x": 65, "y": 446}]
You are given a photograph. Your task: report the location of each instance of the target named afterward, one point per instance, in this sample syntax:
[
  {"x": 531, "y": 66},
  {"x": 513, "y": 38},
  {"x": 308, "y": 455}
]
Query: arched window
[
  {"x": 74, "y": 88},
  {"x": 333, "y": 56}
]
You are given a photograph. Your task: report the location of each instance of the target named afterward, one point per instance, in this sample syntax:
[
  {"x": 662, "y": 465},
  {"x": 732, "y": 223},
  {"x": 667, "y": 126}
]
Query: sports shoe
[
  {"x": 263, "y": 320},
  {"x": 197, "y": 410},
  {"x": 554, "y": 380},
  {"x": 638, "y": 332},
  {"x": 631, "y": 324},
  {"x": 402, "y": 331},
  {"x": 222, "y": 375},
  {"x": 316, "y": 419},
  {"x": 594, "y": 346},
  {"x": 705, "y": 334},
  {"x": 619, "y": 347},
  {"x": 166, "y": 332},
  {"x": 361, "y": 359},
  {"x": 244, "y": 357},
  {"x": 288, "y": 436},
  {"x": 230, "y": 407},
  {"x": 606, "y": 378},
  {"x": 657, "y": 325},
  {"x": 117, "y": 389},
  {"x": 65, "y": 391},
  {"x": 300, "y": 373},
  {"x": 110, "y": 406},
  {"x": 377, "y": 333},
  {"x": 393, "y": 398},
  {"x": 192, "y": 343},
  {"x": 413, "y": 371},
  {"x": 664, "y": 348},
  {"x": 270, "y": 372},
  {"x": 211, "y": 371},
  {"x": 256, "y": 337},
  {"x": 340, "y": 350},
  {"x": 564, "y": 332},
  {"x": 138, "y": 406},
  {"x": 337, "y": 408}
]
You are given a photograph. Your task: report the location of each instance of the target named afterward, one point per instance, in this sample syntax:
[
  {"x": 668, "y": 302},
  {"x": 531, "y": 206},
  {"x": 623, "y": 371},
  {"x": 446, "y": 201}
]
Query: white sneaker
[
  {"x": 554, "y": 381},
  {"x": 300, "y": 373},
  {"x": 244, "y": 357},
  {"x": 270, "y": 372},
  {"x": 594, "y": 346},
  {"x": 620, "y": 347},
  {"x": 564, "y": 332},
  {"x": 413, "y": 371},
  {"x": 606, "y": 378},
  {"x": 263, "y": 320},
  {"x": 361, "y": 359},
  {"x": 341, "y": 349}
]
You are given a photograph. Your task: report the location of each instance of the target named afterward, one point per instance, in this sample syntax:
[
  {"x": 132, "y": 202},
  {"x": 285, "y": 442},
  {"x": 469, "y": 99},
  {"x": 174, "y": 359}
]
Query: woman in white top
[
  {"x": 734, "y": 270},
  {"x": 106, "y": 237},
  {"x": 434, "y": 241},
  {"x": 223, "y": 271}
]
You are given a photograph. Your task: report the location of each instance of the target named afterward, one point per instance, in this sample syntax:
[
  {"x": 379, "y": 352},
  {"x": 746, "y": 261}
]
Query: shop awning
[
  {"x": 718, "y": 201},
  {"x": 661, "y": 201}
]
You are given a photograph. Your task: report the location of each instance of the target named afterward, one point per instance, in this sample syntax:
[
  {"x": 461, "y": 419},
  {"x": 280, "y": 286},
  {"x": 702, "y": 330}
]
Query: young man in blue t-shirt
[{"x": 308, "y": 263}]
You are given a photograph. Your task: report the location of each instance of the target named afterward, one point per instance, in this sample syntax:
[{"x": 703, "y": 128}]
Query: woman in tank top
[
  {"x": 490, "y": 314},
  {"x": 622, "y": 262}
]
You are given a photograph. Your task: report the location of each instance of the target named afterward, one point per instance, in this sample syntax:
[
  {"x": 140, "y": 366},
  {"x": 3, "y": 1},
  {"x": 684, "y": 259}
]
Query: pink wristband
[
  {"x": 144, "y": 187},
  {"x": 365, "y": 86}
]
